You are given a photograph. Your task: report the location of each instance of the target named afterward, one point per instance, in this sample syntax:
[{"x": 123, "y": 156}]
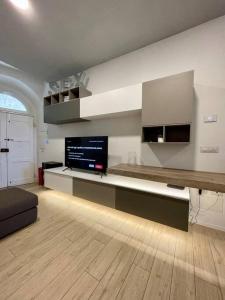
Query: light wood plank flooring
[{"x": 81, "y": 250}]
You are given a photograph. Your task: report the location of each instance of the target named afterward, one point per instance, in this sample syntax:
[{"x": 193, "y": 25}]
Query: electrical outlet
[
  {"x": 209, "y": 149},
  {"x": 210, "y": 119}
]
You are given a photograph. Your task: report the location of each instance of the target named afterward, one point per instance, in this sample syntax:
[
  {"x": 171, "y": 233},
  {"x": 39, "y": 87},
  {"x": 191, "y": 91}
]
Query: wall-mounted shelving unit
[
  {"x": 151, "y": 134},
  {"x": 119, "y": 102},
  {"x": 64, "y": 107},
  {"x": 178, "y": 133},
  {"x": 55, "y": 99},
  {"x": 167, "y": 109},
  {"x": 47, "y": 100},
  {"x": 168, "y": 134},
  {"x": 167, "y": 100},
  {"x": 72, "y": 94}
]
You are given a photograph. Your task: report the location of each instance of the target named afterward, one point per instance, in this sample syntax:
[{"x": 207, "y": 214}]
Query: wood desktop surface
[{"x": 187, "y": 178}]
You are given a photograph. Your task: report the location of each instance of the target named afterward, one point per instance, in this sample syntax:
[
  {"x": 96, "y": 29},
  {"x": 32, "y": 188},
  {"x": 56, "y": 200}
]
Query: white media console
[{"x": 148, "y": 199}]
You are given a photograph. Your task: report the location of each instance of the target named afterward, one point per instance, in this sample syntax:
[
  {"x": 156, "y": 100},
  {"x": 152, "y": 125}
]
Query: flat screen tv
[{"x": 87, "y": 153}]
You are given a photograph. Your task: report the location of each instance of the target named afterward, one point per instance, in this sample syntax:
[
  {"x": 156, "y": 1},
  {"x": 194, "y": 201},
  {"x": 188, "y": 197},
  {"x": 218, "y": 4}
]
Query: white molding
[
  {"x": 16, "y": 112},
  {"x": 213, "y": 226}
]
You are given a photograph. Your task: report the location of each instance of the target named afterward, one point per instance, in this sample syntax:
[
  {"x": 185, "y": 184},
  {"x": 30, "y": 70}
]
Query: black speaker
[{"x": 51, "y": 164}]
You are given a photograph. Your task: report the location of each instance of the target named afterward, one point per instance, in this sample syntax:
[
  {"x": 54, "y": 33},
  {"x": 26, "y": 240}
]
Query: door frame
[
  {"x": 3, "y": 156},
  {"x": 35, "y": 149}
]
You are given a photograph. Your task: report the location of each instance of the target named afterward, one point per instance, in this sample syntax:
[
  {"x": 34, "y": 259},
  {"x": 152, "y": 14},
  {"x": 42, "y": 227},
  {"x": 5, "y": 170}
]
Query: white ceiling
[{"x": 61, "y": 37}]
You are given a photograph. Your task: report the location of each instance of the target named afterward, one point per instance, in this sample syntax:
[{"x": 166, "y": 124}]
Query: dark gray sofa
[{"x": 18, "y": 208}]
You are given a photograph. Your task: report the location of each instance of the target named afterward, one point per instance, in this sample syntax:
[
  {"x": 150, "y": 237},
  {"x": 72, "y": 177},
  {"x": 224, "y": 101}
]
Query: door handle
[
  {"x": 4, "y": 150},
  {"x": 8, "y": 140}
]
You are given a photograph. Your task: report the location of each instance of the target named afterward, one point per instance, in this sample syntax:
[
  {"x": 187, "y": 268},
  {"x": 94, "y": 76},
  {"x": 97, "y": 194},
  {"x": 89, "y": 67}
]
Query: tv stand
[
  {"x": 102, "y": 174},
  {"x": 147, "y": 199},
  {"x": 67, "y": 168}
]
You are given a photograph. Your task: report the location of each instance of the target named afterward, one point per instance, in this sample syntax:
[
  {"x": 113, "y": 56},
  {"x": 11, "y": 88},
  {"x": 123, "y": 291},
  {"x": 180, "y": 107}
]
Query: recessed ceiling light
[{"x": 21, "y": 4}]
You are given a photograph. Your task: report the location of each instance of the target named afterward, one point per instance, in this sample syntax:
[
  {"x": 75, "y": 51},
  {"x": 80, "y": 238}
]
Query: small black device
[
  {"x": 174, "y": 186},
  {"x": 51, "y": 164},
  {"x": 87, "y": 153},
  {"x": 4, "y": 150}
]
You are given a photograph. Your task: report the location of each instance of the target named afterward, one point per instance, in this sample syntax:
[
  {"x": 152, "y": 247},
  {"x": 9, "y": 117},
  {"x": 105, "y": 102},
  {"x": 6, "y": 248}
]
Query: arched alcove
[
  {"x": 11, "y": 103},
  {"x": 21, "y": 91}
]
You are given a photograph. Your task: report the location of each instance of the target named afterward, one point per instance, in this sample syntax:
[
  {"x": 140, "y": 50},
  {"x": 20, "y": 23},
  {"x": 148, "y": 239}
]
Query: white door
[
  {"x": 3, "y": 155},
  {"x": 21, "y": 154}
]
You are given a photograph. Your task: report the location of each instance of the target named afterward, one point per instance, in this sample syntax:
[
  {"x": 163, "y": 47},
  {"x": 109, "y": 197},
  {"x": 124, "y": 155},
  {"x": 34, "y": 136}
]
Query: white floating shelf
[{"x": 118, "y": 102}]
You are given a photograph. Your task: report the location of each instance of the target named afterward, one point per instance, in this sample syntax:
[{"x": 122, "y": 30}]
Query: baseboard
[
  {"x": 217, "y": 227},
  {"x": 24, "y": 181}
]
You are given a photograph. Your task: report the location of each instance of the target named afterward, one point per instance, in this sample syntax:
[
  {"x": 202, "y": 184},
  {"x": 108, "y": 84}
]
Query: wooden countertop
[{"x": 194, "y": 179}]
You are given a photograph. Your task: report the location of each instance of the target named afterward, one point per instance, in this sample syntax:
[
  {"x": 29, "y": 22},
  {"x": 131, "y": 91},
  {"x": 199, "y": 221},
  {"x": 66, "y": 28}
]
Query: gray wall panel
[{"x": 168, "y": 100}]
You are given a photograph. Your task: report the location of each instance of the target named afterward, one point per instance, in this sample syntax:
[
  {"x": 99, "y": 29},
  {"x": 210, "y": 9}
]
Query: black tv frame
[{"x": 103, "y": 171}]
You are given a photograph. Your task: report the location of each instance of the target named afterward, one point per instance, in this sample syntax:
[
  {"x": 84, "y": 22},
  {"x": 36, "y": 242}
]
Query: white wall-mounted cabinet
[{"x": 116, "y": 102}]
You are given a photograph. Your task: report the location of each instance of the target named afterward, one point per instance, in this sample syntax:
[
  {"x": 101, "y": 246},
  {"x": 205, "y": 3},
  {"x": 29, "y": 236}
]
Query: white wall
[
  {"x": 124, "y": 137},
  {"x": 201, "y": 49}
]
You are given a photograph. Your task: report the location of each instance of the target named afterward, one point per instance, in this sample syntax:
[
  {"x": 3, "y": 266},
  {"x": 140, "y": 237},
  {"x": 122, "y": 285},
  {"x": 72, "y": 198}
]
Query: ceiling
[{"x": 57, "y": 38}]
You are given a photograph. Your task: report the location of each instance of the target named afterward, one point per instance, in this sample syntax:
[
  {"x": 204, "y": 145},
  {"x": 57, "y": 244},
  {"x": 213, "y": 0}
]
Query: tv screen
[{"x": 88, "y": 153}]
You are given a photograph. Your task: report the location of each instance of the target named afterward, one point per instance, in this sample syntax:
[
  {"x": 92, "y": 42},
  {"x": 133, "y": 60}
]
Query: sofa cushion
[
  {"x": 18, "y": 221},
  {"x": 14, "y": 201}
]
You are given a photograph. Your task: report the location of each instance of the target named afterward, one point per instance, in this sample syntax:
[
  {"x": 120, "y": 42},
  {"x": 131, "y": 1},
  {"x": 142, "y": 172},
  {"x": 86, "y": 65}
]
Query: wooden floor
[{"x": 80, "y": 250}]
